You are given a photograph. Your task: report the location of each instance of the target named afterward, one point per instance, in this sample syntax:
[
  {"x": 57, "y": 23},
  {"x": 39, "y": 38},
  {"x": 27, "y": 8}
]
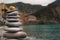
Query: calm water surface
[{"x": 43, "y": 32}]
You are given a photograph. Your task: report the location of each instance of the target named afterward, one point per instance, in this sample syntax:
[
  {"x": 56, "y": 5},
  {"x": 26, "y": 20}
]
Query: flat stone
[
  {"x": 12, "y": 20},
  {"x": 12, "y": 39},
  {"x": 13, "y": 23},
  {"x": 15, "y": 35},
  {"x": 13, "y": 29},
  {"x": 13, "y": 16}
]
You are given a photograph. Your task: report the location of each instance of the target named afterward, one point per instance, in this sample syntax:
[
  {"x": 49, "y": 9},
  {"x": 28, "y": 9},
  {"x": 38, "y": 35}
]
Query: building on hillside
[
  {"x": 26, "y": 18},
  {"x": 23, "y": 18},
  {"x": 32, "y": 18}
]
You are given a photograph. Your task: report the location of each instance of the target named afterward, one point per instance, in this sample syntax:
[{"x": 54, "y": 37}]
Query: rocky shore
[
  {"x": 43, "y": 22},
  {"x": 38, "y": 22}
]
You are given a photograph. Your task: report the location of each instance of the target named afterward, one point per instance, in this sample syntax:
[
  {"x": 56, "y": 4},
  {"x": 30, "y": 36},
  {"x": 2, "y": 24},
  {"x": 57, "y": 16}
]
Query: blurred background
[{"x": 41, "y": 19}]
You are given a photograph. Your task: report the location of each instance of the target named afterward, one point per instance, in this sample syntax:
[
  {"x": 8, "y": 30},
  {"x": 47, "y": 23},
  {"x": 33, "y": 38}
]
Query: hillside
[
  {"x": 27, "y": 8},
  {"x": 48, "y": 14}
]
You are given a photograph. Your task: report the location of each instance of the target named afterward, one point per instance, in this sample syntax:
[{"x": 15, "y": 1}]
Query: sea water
[{"x": 43, "y": 32}]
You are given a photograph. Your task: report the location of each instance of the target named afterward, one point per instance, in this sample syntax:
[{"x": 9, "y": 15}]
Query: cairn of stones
[{"x": 13, "y": 28}]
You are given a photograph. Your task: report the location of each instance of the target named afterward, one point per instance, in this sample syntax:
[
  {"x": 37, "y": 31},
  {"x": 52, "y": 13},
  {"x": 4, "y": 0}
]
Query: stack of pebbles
[{"x": 14, "y": 29}]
